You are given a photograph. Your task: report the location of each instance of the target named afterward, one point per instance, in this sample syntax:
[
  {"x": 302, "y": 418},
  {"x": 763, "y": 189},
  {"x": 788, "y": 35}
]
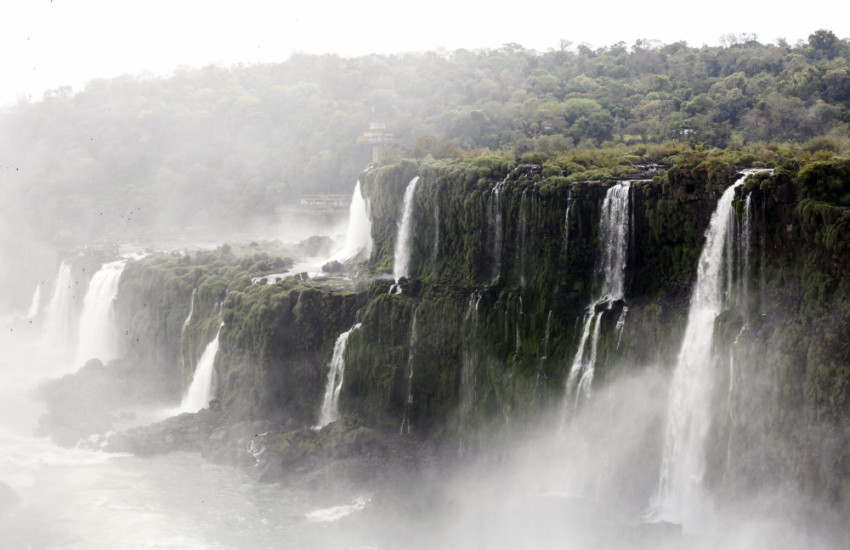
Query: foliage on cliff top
[{"x": 220, "y": 146}]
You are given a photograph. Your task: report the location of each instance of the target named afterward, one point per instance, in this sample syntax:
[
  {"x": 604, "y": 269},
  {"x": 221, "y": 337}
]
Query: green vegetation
[
  {"x": 217, "y": 147},
  {"x": 497, "y": 292}
]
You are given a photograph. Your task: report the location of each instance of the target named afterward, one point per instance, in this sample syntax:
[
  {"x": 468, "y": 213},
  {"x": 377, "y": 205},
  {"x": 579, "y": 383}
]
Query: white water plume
[
  {"x": 610, "y": 275},
  {"x": 32, "y": 311},
  {"x": 408, "y": 404},
  {"x": 404, "y": 237},
  {"x": 191, "y": 312},
  {"x": 496, "y": 237},
  {"x": 59, "y": 315},
  {"x": 680, "y": 496},
  {"x": 330, "y": 403},
  {"x": 97, "y": 337},
  {"x": 358, "y": 237},
  {"x": 201, "y": 388},
  {"x": 566, "y": 242}
]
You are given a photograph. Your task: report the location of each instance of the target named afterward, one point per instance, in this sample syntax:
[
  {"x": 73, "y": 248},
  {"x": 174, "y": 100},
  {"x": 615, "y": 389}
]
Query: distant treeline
[{"x": 223, "y": 145}]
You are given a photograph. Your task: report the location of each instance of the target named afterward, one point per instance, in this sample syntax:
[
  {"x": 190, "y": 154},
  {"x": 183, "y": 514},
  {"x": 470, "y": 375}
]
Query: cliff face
[{"x": 503, "y": 268}]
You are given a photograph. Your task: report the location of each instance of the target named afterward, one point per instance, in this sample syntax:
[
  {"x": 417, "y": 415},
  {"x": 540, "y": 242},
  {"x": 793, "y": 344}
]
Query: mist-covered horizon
[{"x": 50, "y": 45}]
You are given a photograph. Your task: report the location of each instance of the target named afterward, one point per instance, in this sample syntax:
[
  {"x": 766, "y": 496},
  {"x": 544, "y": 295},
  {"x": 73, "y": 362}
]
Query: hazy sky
[{"x": 45, "y": 44}]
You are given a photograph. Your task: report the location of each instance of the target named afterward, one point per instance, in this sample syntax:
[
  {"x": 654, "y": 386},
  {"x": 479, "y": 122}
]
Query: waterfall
[
  {"x": 408, "y": 404},
  {"x": 191, "y": 312},
  {"x": 546, "y": 335},
  {"x": 729, "y": 404},
  {"x": 35, "y": 303},
  {"x": 201, "y": 389},
  {"x": 679, "y": 496},
  {"x": 358, "y": 238},
  {"x": 745, "y": 254},
  {"x": 404, "y": 237},
  {"x": 621, "y": 324},
  {"x": 330, "y": 404},
  {"x": 471, "y": 355},
  {"x": 565, "y": 245},
  {"x": 610, "y": 279},
  {"x": 762, "y": 243},
  {"x": 97, "y": 338},
  {"x": 59, "y": 315},
  {"x": 614, "y": 229},
  {"x": 185, "y": 326},
  {"x": 497, "y": 210},
  {"x": 519, "y": 261}
]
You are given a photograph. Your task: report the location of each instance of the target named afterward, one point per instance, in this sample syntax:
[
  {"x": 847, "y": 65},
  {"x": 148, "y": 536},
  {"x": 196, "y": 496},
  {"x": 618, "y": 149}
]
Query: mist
[{"x": 475, "y": 298}]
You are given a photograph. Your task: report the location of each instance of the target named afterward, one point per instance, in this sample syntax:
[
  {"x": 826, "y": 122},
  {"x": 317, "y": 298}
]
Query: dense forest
[{"x": 217, "y": 146}]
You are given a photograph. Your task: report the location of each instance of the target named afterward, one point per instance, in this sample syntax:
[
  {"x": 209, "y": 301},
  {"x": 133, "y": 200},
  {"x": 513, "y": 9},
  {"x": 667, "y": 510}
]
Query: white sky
[{"x": 46, "y": 44}]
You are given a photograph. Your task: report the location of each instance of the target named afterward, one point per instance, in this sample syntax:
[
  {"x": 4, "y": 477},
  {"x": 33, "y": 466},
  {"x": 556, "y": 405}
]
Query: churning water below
[
  {"x": 71, "y": 498},
  {"x": 57, "y": 498}
]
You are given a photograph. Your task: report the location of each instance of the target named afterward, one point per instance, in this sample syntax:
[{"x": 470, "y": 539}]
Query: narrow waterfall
[
  {"x": 97, "y": 337},
  {"x": 614, "y": 236},
  {"x": 404, "y": 237},
  {"x": 435, "y": 252},
  {"x": 471, "y": 355},
  {"x": 566, "y": 243},
  {"x": 680, "y": 494},
  {"x": 201, "y": 389},
  {"x": 546, "y": 335},
  {"x": 408, "y": 404},
  {"x": 59, "y": 315},
  {"x": 745, "y": 254},
  {"x": 610, "y": 280},
  {"x": 191, "y": 312},
  {"x": 358, "y": 238},
  {"x": 183, "y": 328},
  {"x": 621, "y": 324},
  {"x": 330, "y": 404},
  {"x": 35, "y": 302},
  {"x": 763, "y": 244},
  {"x": 497, "y": 228},
  {"x": 522, "y": 236}
]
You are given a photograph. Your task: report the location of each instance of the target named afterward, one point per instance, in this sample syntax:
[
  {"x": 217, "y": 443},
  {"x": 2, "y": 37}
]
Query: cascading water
[
  {"x": 762, "y": 244},
  {"x": 610, "y": 275},
  {"x": 358, "y": 238},
  {"x": 408, "y": 404},
  {"x": 35, "y": 303},
  {"x": 59, "y": 321},
  {"x": 330, "y": 403},
  {"x": 97, "y": 337},
  {"x": 404, "y": 237},
  {"x": 201, "y": 388},
  {"x": 471, "y": 354},
  {"x": 680, "y": 494},
  {"x": 497, "y": 229},
  {"x": 566, "y": 243},
  {"x": 185, "y": 325},
  {"x": 191, "y": 312},
  {"x": 522, "y": 236},
  {"x": 745, "y": 254}
]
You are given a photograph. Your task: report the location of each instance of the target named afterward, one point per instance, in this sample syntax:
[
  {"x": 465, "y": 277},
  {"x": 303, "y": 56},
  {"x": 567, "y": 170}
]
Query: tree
[{"x": 824, "y": 43}]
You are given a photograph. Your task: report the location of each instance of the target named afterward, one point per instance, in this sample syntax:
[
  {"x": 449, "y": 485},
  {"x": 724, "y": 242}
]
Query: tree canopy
[{"x": 221, "y": 145}]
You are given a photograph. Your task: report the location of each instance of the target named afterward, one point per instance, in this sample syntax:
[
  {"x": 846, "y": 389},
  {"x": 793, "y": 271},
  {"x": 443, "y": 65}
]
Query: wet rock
[{"x": 333, "y": 267}]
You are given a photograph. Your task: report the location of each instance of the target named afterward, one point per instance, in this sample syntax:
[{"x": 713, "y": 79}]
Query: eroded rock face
[{"x": 495, "y": 334}]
